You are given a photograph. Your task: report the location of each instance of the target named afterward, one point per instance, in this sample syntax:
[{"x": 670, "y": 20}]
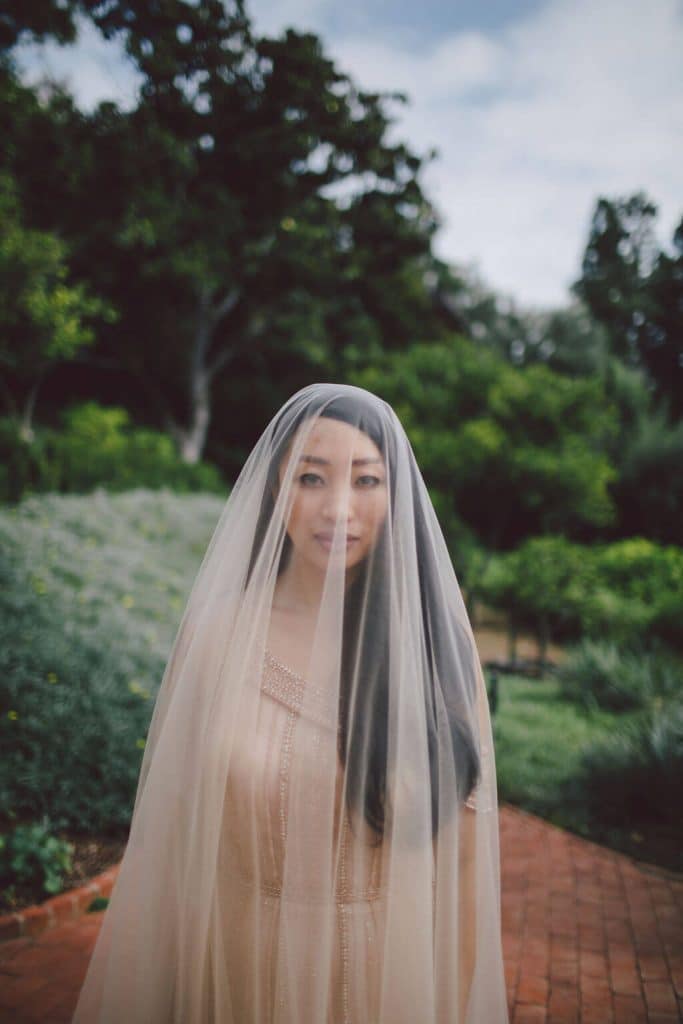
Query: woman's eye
[{"x": 314, "y": 479}]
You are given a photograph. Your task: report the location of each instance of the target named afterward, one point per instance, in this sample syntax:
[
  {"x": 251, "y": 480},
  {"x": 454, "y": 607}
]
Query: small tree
[
  {"x": 635, "y": 291},
  {"x": 43, "y": 317},
  {"x": 540, "y": 586},
  {"x": 514, "y": 452}
]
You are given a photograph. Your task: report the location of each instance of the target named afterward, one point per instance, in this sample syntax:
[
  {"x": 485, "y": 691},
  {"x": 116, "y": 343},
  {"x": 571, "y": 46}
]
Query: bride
[{"x": 314, "y": 838}]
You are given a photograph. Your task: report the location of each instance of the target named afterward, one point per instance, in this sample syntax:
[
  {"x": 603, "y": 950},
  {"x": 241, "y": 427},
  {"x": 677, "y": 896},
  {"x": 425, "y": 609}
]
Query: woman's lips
[{"x": 328, "y": 543}]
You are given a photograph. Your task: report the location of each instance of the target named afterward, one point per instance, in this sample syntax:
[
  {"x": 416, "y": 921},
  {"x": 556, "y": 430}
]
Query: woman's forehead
[{"x": 333, "y": 440}]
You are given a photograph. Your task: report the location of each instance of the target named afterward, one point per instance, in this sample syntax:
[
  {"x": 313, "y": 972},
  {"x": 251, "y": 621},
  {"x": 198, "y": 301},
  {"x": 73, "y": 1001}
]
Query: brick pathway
[{"x": 589, "y": 938}]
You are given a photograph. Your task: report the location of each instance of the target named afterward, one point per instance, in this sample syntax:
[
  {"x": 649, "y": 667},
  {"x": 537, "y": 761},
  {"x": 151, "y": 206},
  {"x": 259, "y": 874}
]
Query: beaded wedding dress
[
  {"x": 315, "y": 834},
  {"x": 355, "y": 964}
]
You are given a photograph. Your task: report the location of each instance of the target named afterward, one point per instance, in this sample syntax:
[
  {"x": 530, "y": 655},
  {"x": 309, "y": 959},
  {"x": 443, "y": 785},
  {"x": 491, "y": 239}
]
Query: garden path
[{"x": 589, "y": 936}]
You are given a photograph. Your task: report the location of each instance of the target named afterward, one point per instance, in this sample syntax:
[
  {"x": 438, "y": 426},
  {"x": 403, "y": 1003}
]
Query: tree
[
  {"x": 512, "y": 453},
  {"x": 664, "y": 349},
  {"x": 568, "y": 340},
  {"x": 635, "y": 291},
  {"x": 43, "y": 315},
  {"x": 648, "y": 455},
  {"x": 540, "y": 586},
  {"x": 248, "y": 208},
  {"x": 36, "y": 20}
]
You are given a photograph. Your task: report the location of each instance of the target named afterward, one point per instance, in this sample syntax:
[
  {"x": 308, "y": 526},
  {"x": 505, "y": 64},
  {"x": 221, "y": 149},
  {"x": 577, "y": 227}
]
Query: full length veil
[{"x": 314, "y": 838}]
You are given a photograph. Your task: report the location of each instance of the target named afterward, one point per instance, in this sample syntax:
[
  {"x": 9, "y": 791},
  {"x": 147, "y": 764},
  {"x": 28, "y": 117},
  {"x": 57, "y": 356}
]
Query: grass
[{"x": 538, "y": 739}]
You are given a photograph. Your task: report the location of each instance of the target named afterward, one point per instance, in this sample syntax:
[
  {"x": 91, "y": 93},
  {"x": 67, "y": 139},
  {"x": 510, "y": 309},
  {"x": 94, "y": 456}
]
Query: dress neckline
[
  {"x": 294, "y": 690},
  {"x": 281, "y": 664}
]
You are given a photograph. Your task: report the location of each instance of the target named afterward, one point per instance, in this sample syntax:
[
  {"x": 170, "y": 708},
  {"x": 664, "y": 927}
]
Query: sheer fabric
[{"x": 315, "y": 835}]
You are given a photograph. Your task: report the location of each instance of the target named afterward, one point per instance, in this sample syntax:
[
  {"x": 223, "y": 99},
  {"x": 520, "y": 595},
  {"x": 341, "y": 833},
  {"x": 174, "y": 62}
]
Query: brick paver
[{"x": 589, "y": 937}]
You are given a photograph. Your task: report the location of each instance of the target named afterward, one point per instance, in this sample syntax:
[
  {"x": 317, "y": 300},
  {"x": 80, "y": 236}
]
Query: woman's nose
[{"x": 337, "y": 502}]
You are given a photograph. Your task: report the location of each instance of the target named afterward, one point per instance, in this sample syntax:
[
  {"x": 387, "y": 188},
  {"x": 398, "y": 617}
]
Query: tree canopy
[
  {"x": 247, "y": 227},
  {"x": 249, "y": 201},
  {"x": 636, "y": 291}
]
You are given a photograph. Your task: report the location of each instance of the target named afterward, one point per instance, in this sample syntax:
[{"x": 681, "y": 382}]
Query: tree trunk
[
  {"x": 193, "y": 439},
  {"x": 512, "y": 640},
  {"x": 26, "y": 431},
  {"x": 543, "y": 638}
]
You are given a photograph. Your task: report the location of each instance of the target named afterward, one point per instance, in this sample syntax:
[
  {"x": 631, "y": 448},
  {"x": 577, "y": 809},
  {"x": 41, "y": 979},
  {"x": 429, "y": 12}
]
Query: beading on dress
[{"x": 283, "y": 684}]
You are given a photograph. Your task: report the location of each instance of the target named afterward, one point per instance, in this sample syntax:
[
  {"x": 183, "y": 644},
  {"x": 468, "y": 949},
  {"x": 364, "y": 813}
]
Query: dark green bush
[
  {"x": 101, "y": 445},
  {"x": 636, "y": 774},
  {"x": 91, "y": 590},
  {"x": 638, "y": 589},
  {"x": 25, "y": 467},
  {"x": 30, "y": 853},
  {"x": 563, "y": 591},
  {"x": 540, "y": 586},
  {"x": 70, "y": 716},
  {"x": 602, "y": 674},
  {"x": 97, "y": 447}
]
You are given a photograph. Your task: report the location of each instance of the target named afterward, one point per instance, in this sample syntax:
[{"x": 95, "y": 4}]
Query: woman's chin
[{"x": 341, "y": 556}]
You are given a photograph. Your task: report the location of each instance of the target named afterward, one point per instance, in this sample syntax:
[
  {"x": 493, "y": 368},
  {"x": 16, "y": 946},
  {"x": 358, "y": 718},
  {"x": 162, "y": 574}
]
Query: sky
[{"x": 536, "y": 108}]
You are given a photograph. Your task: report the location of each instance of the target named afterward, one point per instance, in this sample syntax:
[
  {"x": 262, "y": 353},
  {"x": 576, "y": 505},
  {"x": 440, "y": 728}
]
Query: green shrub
[
  {"x": 638, "y": 589},
  {"x": 99, "y": 903},
  {"x": 91, "y": 591},
  {"x": 100, "y": 445},
  {"x": 562, "y": 591},
  {"x": 25, "y": 467},
  {"x": 636, "y": 774},
  {"x": 601, "y": 674},
  {"x": 540, "y": 739},
  {"x": 540, "y": 586},
  {"x": 640, "y": 568},
  {"x": 30, "y": 853},
  {"x": 97, "y": 446}
]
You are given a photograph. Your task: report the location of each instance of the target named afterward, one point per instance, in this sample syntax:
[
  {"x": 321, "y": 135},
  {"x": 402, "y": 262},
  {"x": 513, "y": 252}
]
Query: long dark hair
[{"x": 363, "y": 716}]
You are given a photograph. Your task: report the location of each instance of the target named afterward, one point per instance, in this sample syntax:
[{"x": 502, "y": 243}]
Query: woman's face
[{"x": 341, "y": 479}]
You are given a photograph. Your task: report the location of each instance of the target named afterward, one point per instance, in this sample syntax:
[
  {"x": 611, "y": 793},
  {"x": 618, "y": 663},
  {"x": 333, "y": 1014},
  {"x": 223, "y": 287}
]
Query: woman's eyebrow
[{"x": 318, "y": 461}]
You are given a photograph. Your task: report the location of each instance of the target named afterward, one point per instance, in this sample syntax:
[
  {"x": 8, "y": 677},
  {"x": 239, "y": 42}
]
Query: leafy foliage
[
  {"x": 648, "y": 456},
  {"x": 598, "y": 673},
  {"x": 636, "y": 773},
  {"x": 563, "y": 590},
  {"x": 612, "y": 777},
  {"x": 30, "y": 852},
  {"x": 249, "y": 208},
  {"x": 91, "y": 590},
  {"x": 636, "y": 291},
  {"x": 44, "y": 318},
  {"x": 97, "y": 447},
  {"x": 513, "y": 452}
]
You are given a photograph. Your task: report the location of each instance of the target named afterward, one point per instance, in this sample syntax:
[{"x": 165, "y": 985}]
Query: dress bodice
[{"x": 293, "y": 746}]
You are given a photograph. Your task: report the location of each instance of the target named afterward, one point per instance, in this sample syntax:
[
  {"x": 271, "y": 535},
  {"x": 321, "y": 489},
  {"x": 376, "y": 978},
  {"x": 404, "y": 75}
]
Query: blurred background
[{"x": 475, "y": 214}]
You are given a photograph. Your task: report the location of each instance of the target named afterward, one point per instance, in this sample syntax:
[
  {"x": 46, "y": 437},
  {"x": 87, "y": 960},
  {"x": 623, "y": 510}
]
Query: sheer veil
[{"x": 314, "y": 838}]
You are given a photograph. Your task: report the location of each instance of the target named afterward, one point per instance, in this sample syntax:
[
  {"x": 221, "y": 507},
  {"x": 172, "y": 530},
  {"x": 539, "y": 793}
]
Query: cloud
[
  {"x": 533, "y": 122},
  {"x": 271, "y": 18},
  {"x": 92, "y": 69}
]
